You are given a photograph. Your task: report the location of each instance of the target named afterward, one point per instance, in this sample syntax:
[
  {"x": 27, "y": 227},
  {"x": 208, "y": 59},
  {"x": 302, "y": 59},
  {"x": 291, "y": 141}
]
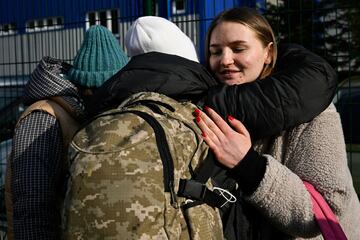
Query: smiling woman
[
  {"x": 236, "y": 54},
  {"x": 241, "y": 47},
  {"x": 267, "y": 173}
]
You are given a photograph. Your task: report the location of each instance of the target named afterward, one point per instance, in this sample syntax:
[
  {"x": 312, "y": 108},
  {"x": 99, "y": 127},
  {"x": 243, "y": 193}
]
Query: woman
[{"x": 269, "y": 172}]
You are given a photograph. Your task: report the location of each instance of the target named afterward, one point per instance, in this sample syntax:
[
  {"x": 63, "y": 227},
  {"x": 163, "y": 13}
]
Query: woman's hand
[{"x": 229, "y": 146}]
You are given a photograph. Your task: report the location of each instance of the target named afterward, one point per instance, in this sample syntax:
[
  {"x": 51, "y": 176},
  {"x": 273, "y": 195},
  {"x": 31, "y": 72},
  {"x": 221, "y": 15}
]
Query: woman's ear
[{"x": 269, "y": 53}]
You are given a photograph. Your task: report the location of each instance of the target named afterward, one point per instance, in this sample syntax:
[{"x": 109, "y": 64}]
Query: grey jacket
[{"x": 315, "y": 152}]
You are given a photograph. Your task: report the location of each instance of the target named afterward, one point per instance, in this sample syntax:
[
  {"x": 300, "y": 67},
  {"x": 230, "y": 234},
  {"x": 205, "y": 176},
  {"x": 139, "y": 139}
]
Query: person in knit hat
[
  {"x": 98, "y": 58},
  {"x": 151, "y": 33},
  {"x": 35, "y": 179}
]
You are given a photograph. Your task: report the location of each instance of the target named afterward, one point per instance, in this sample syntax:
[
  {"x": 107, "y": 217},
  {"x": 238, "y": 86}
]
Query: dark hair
[{"x": 255, "y": 21}]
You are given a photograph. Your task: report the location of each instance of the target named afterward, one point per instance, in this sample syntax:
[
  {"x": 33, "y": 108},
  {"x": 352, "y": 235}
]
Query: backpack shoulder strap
[{"x": 68, "y": 124}]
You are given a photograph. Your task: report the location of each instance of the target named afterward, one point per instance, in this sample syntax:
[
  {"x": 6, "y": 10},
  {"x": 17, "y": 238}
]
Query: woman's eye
[
  {"x": 237, "y": 50},
  {"x": 215, "y": 52}
]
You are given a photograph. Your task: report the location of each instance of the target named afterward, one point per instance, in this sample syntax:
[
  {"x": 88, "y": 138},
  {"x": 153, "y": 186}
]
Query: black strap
[
  {"x": 195, "y": 188},
  {"x": 197, "y": 191},
  {"x": 207, "y": 169},
  {"x": 153, "y": 104}
]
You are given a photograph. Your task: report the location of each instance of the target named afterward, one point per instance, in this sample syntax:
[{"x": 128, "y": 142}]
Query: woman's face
[{"x": 236, "y": 55}]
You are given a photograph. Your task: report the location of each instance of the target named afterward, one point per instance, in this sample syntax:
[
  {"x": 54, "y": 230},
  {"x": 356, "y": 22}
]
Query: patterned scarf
[{"x": 48, "y": 80}]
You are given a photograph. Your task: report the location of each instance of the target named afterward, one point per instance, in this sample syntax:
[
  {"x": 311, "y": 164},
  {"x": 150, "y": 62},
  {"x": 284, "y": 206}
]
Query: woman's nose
[{"x": 226, "y": 58}]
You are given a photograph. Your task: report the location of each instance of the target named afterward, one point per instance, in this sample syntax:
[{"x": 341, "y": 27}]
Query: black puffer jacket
[
  {"x": 301, "y": 87},
  {"x": 171, "y": 75}
]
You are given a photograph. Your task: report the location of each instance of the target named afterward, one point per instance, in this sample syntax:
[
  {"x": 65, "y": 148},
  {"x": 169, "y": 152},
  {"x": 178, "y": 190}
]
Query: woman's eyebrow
[
  {"x": 214, "y": 45},
  {"x": 237, "y": 42}
]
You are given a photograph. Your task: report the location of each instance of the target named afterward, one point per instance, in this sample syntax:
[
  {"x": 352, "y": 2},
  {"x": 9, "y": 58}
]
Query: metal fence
[{"x": 31, "y": 29}]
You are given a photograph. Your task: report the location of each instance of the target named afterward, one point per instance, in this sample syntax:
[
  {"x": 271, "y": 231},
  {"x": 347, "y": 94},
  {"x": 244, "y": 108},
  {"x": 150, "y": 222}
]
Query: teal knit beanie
[{"x": 98, "y": 58}]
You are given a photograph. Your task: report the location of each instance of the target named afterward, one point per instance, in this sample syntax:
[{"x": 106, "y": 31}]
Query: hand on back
[{"x": 229, "y": 142}]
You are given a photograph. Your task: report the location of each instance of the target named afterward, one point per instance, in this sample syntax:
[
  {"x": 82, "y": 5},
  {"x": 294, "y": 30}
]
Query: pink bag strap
[{"x": 326, "y": 219}]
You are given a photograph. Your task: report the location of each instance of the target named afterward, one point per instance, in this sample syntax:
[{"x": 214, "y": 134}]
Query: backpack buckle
[
  {"x": 198, "y": 191},
  {"x": 192, "y": 189}
]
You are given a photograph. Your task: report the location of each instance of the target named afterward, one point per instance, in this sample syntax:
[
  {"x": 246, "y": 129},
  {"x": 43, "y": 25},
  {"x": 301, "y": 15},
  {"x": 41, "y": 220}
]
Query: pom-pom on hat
[
  {"x": 98, "y": 58},
  {"x": 151, "y": 33}
]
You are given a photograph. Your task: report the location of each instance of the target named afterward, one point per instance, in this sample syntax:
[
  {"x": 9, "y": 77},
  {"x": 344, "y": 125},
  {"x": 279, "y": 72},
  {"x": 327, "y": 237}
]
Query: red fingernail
[
  {"x": 198, "y": 119},
  {"x": 197, "y": 112},
  {"x": 203, "y": 134},
  {"x": 206, "y": 108},
  {"x": 230, "y": 118}
]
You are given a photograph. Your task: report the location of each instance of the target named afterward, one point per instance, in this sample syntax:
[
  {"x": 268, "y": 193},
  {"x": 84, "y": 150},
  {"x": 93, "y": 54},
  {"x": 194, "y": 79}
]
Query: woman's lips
[{"x": 228, "y": 73}]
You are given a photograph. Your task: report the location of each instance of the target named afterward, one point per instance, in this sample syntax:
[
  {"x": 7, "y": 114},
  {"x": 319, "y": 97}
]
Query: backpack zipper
[{"x": 164, "y": 151}]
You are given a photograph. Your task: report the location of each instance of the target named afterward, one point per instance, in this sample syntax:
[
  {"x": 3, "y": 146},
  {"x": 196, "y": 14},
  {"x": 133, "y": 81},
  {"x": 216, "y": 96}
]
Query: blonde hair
[{"x": 255, "y": 21}]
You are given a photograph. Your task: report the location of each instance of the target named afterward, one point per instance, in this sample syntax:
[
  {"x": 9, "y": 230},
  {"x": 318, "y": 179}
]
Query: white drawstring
[{"x": 226, "y": 194}]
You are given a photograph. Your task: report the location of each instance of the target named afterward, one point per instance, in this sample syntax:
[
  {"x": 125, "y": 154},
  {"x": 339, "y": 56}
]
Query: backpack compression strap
[{"x": 195, "y": 188}]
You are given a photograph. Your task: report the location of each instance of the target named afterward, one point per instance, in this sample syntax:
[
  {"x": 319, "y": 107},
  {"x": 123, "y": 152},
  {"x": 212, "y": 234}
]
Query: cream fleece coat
[{"x": 315, "y": 152}]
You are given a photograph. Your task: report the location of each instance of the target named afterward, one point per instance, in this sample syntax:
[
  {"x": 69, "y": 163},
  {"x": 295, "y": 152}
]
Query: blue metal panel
[
  {"x": 169, "y": 8},
  {"x": 208, "y": 9},
  {"x": 73, "y": 12},
  {"x": 192, "y": 7},
  {"x": 4, "y": 14},
  {"x": 163, "y": 8},
  {"x": 12, "y": 12}
]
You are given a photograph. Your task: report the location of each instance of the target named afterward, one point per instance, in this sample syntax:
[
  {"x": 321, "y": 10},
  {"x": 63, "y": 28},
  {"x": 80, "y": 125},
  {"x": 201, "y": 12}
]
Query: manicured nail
[
  {"x": 198, "y": 119},
  {"x": 206, "y": 108},
  {"x": 230, "y": 118},
  {"x": 197, "y": 112},
  {"x": 203, "y": 134}
]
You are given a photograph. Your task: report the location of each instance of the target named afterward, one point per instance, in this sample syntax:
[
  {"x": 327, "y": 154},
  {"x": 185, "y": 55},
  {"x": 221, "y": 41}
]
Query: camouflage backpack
[{"x": 134, "y": 172}]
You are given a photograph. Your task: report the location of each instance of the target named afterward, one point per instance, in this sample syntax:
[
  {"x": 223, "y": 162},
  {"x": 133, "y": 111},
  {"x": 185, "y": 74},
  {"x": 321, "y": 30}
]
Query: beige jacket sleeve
[{"x": 314, "y": 152}]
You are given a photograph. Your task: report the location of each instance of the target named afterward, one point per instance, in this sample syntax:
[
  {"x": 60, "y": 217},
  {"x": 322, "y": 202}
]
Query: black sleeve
[
  {"x": 36, "y": 177},
  {"x": 302, "y": 86},
  {"x": 249, "y": 172}
]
